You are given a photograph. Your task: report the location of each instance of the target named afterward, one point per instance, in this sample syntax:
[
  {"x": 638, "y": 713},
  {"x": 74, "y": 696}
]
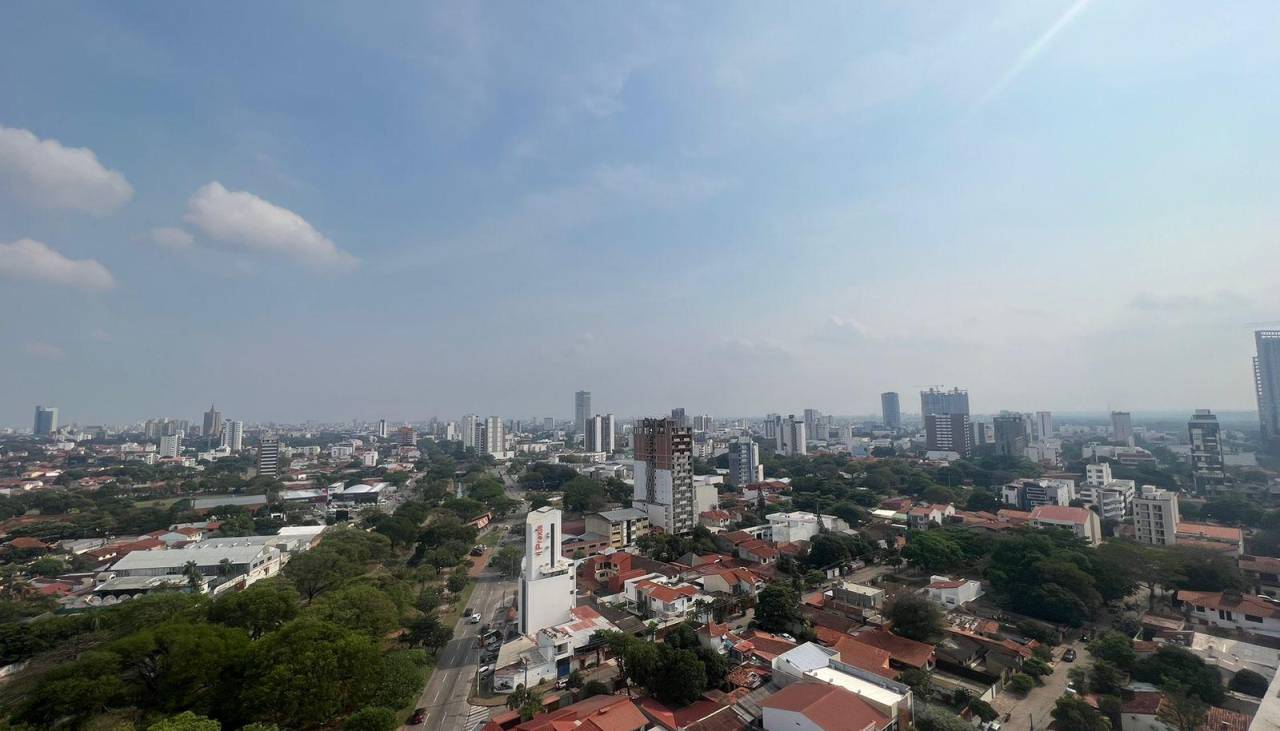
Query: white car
[{"x": 474, "y": 618}]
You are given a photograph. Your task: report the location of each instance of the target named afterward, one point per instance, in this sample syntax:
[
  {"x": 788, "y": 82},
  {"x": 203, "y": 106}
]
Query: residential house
[
  {"x": 622, "y": 527},
  {"x": 904, "y": 654},
  {"x": 1211, "y": 537},
  {"x": 816, "y": 706},
  {"x": 921, "y": 517},
  {"x": 1263, "y": 573},
  {"x": 1142, "y": 712},
  {"x": 1233, "y": 611},
  {"x": 952, "y": 593},
  {"x": 1083, "y": 522}
]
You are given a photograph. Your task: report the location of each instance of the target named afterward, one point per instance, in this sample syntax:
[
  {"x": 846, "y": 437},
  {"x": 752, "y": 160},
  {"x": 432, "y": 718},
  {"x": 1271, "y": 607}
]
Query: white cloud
[
  {"x": 247, "y": 222},
  {"x": 43, "y": 350},
  {"x": 100, "y": 335},
  {"x": 31, "y": 260},
  {"x": 172, "y": 237},
  {"x": 46, "y": 174}
]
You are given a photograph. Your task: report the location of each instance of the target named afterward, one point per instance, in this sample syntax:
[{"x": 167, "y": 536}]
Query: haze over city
[{"x": 415, "y": 210}]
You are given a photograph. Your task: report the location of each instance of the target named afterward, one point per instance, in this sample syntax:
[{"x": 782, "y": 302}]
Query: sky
[{"x": 399, "y": 210}]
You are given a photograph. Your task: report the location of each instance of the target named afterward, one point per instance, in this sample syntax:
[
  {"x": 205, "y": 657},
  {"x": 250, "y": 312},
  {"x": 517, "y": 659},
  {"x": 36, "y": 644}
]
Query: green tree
[
  {"x": 936, "y": 719},
  {"x": 1173, "y": 664},
  {"x": 778, "y": 609},
  {"x": 428, "y": 632},
  {"x": 915, "y": 617},
  {"x": 372, "y": 718},
  {"x": 359, "y": 607},
  {"x": 186, "y": 721},
  {"x": 181, "y": 665},
  {"x": 1106, "y": 679},
  {"x": 1114, "y": 648},
  {"x": 1248, "y": 682},
  {"x": 921, "y": 681},
  {"x": 456, "y": 583},
  {"x": 680, "y": 679},
  {"x": 507, "y": 561},
  {"x": 261, "y": 608},
  {"x": 1073, "y": 713},
  {"x": 527, "y": 702},
  {"x": 1021, "y": 683},
  {"x": 1182, "y": 709},
  {"x": 308, "y": 672},
  {"x": 593, "y": 688},
  {"x": 319, "y": 570}
]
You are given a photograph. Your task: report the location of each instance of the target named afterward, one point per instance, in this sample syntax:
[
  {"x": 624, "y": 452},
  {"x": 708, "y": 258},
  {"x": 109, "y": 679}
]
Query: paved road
[
  {"x": 445, "y": 696},
  {"x": 1039, "y": 702}
]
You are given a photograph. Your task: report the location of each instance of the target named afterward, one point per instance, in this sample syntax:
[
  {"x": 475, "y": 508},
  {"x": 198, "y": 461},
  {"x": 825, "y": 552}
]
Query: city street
[{"x": 1033, "y": 711}]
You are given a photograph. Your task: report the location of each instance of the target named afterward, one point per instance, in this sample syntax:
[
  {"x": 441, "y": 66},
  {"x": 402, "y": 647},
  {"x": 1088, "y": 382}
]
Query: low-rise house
[
  {"x": 597, "y": 713},
  {"x": 858, "y": 595},
  {"x": 1263, "y": 573},
  {"x": 1233, "y": 611},
  {"x": 904, "y": 654},
  {"x": 1082, "y": 522},
  {"x": 736, "y": 581},
  {"x": 715, "y": 519},
  {"x": 1212, "y": 537},
  {"x": 952, "y": 593},
  {"x": 921, "y": 517},
  {"x": 817, "y": 706},
  {"x": 757, "y": 551},
  {"x": 622, "y": 527},
  {"x": 1142, "y": 712}
]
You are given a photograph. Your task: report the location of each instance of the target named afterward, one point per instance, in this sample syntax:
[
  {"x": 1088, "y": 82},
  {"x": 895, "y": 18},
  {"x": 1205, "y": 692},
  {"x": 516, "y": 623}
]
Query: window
[{"x": 1251, "y": 618}]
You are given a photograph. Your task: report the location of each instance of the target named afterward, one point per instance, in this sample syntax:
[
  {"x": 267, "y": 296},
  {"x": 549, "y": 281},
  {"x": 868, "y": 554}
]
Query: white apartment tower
[
  {"x": 495, "y": 437},
  {"x": 471, "y": 432},
  {"x": 548, "y": 586},
  {"x": 170, "y": 445},
  {"x": 744, "y": 462},
  {"x": 233, "y": 435},
  {"x": 600, "y": 434},
  {"x": 1155, "y": 516},
  {"x": 1122, "y": 427},
  {"x": 791, "y": 437}
]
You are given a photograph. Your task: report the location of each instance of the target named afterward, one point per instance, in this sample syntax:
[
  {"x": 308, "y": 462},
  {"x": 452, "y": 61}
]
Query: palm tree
[
  {"x": 191, "y": 570},
  {"x": 527, "y": 702},
  {"x": 224, "y": 567}
]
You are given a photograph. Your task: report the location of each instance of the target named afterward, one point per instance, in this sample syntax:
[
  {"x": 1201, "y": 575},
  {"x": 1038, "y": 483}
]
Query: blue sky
[{"x": 349, "y": 210}]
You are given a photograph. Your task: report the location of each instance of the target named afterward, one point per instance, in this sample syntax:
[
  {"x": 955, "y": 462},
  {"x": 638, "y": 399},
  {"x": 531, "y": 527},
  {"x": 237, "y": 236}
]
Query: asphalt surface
[
  {"x": 445, "y": 696},
  {"x": 1033, "y": 712}
]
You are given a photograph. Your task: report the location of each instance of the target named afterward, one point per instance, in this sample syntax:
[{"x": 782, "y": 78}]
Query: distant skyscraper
[
  {"x": 599, "y": 434},
  {"x": 471, "y": 426},
  {"x": 548, "y": 424},
  {"x": 232, "y": 435},
  {"x": 46, "y": 421},
  {"x": 1208, "y": 468},
  {"x": 744, "y": 462},
  {"x": 407, "y": 436},
  {"x": 1121, "y": 427},
  {"x": 663, "y": 470},
  {"x": 679, "y": 417},
  {"x": 791, "y": 437},
  {"x": 495, "y": 437},
  {"x": 814, "y": 428},
  {"x": 958, "y": 433},
  {"x": 1266, "y": 380},
  {"x": 212, "y": 428},
  {"x": 1044, "y": 424},
  {"x": 269, "y": 456},
  {"x": 581, "y": 411},
  {"x": 382, "y": 428},
  {"x": 1011, "y": 435},
  {"x": 891, "y": 410},
  {"x": 949, "y": 433},
  {"x": 170, "y": 445},
  {"x": 772, "y": 423}
]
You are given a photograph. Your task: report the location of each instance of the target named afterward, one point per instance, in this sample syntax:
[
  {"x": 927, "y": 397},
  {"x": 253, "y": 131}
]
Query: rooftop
[{"x": 827, "y": 707}]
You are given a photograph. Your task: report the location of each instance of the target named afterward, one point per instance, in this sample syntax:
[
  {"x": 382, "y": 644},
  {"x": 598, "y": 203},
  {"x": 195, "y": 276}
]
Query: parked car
[
  {"x": 562, "y": 683},
  {"x": 477, "y": 550},
  {"x": 485, "y": 669},
  {"x": 474, "y": 618},
  {"x": 419, "y": 715},
  {"x": 1069, "y": 655}
]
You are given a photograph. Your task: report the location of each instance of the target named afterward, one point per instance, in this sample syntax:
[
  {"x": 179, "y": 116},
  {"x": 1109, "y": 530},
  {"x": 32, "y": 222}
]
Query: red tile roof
[
  {"x": 1243, "y": 603},
  {"x": 861, "y": 655},
  {"x": 1062, "y": 514},
  {"x": 905, "y": 651},
  {"x": 828, "y": 707},
  {"x": 1210, "y": 532},
  {"x": 676, "y": 718}
]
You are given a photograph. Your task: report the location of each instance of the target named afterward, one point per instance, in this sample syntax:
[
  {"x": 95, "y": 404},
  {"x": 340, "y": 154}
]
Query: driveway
[{"x": 1034, "y": 710}]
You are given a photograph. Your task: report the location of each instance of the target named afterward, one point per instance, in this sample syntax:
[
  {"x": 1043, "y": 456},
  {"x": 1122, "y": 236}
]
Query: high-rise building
[
  {"x": 949, "y": 433},
  {"x": 1097, "y": 474},
  {"x": 937, "y": 401},
  {"x": 581, "y": 411},
  {"x": 744, "y": 462},
  {"x": 548, "y": 424},
  {"x": 46, "y": 421},
  {"x": 170, "y": 445},
  {"x": 212, "y": 427},
  {"x": 1011, "y": 434},
  {"x": 548, "y": 584},
  {"x": 382, "y": 428},
  {"x": 269, "y": 456},
  {"x": 232, "y": 435},
  {"x": 471, "y": 426},
  {"x": 407, "y": 436},
  {"x": 772, "y": 424},
  {"x": 814, "y": 426},
  {"x": 1044, "y": 424},
  {"x": 1155, "y": 516},
  {"x": 1266, "y": 382},
  {"x": 791, "y": 437},
  {"x": 891, "y": 410},
  {"x": 1121, "y": 427},
  {"x": 600, "y": 434},
  {"x": 678, "y": 416},
  {"x": 1208, "y": 468},
  {"x": 495, "y": 437},
  {"x": 663, "y": 470}
]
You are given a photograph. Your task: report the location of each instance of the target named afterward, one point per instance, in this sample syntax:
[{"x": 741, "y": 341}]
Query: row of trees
[{"x": 677, "y": 671}]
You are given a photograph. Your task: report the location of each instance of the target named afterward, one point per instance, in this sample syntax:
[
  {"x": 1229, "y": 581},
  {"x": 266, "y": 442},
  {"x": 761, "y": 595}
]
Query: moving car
[
  {"x": 419, "y": 715},
  {"x": 474, "y": 618}
]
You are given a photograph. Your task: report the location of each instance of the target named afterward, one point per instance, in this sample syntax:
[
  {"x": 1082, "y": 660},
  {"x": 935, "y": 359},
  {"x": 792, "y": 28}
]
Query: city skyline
[{"x": 1000, "y": 196}]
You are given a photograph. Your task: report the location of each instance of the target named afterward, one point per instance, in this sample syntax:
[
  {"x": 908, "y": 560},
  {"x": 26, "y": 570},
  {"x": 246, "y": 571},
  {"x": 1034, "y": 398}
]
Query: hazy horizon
[{"x": 402, "y": 210}]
